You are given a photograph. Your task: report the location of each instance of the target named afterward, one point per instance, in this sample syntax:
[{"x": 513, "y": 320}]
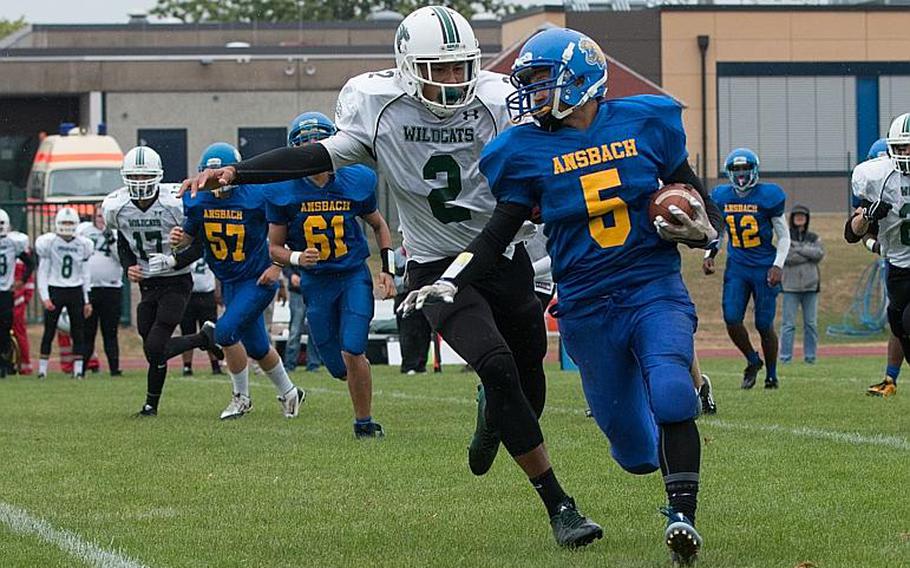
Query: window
[
  {"x": 84, "y": 182},
  {"x": 799, "y": 124},
  {"x": 893, "y": 100}
]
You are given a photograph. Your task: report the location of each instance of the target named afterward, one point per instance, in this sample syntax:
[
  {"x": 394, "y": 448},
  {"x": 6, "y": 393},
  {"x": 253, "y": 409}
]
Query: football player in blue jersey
[
  {"x": 314, "y": 224},
  {"x": 232, "y": 224},
  {"x": 592, "y": 166},
  {"x": 754, "y": 216}
]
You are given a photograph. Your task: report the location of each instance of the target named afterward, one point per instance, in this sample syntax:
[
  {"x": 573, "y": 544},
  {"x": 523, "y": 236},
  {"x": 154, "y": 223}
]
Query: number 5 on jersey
[{"x": 605, "y": 233}]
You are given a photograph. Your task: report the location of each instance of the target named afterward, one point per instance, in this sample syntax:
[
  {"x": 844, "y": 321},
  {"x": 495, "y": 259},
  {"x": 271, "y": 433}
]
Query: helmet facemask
[
  {"x": 141, "y": 183},
  {"x": 452, "y": 95},
  {"x": 899, "y": 152}
]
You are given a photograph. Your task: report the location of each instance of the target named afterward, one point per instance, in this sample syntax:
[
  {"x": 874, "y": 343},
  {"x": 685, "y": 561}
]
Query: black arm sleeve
[
  {"x": 189, "y": 255},
  {"x": 127, "y": 258},
  {"x": 283, "y": 164},
  {"x": 685, "y": 174},
  {"x": 492, "y": 241},
  {"x": 28, "y": 259}
]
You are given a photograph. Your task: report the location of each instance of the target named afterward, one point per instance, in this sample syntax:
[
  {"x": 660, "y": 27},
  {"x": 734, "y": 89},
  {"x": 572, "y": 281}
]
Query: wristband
[
  {"x": 387, "y": 257},
  {"x": 295, "y": 258},
  {"x": 278, "y": 264}
]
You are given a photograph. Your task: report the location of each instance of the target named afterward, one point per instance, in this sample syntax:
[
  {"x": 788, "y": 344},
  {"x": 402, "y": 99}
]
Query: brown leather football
[{"x": 673, "y": 194}]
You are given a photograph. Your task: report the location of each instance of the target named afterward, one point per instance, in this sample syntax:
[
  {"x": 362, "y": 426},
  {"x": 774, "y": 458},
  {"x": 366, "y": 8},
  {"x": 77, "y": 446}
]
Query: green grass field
[{"x": 814, "y": 473}]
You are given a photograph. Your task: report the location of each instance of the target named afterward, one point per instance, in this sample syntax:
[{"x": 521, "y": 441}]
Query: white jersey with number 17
[{"x": 430, "y": 164}]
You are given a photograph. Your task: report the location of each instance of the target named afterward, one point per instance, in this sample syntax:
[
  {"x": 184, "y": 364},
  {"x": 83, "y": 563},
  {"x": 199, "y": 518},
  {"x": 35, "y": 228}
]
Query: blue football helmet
[
  {"x": 218, "y": 155},
  {"x": 310, "y": 127},
  {"x": 557, "y": 71},
  {"x": 878, "y": 149},
  {"x": 741, "y": 166}
]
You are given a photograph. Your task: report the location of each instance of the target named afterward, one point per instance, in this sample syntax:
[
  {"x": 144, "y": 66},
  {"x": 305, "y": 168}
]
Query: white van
[{"x": 75, "y": 166}]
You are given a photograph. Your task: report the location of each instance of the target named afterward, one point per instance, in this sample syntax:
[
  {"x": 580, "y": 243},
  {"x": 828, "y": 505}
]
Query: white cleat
[
  {"x": 239, "y": 406},
  {"x": 291, "y": 401}
]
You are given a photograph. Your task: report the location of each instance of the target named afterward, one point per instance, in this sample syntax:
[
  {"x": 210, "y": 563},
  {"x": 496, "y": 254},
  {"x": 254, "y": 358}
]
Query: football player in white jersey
[
  {"x": 143, "y": 214},
  {"x": 13, "y": 245},
  {"x": 64, "y": 282},
  {"x": 422, "y": 126},
  {"x": 882, "y": 186},
  {"x": 106, "y": 294}
]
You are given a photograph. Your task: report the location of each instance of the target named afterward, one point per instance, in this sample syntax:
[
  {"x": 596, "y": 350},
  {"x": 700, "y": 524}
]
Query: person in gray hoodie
[{"x": 801, "y": 285}]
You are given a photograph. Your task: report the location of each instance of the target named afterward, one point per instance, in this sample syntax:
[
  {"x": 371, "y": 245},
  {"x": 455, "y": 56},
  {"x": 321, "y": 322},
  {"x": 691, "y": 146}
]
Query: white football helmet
[
  {"x": 141, "y": 172},
  {"x": 433, "y": 35},
  {"x": 4, "y": 223},
  {"x": 66, "y": 221},
  {"x": 899, "y": 143}
]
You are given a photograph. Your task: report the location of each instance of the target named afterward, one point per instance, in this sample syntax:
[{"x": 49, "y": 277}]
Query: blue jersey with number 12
[
  {"x": 747, "y": 218},
  {"x": 234, "y": 229},
  {"x": 593, "y": 187}
]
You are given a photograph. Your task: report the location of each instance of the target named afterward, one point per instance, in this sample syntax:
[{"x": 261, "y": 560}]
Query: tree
[
  {"x": 307, "y": 10},
  {"x": 9, "y": 26}
]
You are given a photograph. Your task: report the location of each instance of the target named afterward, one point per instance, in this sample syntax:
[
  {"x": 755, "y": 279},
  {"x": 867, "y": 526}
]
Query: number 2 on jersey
[
  {"x": 440, "y": 196},
  {"x": 320, "y": 241},
  {"x": 607, "y": 236},
  {"x": 747, "y": 234}
]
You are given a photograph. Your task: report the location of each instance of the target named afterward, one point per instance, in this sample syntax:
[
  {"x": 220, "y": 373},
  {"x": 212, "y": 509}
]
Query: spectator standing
[{"x": 801, "y": 285}]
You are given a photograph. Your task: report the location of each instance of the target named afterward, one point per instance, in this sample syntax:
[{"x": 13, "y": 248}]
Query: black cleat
[
  {"x": 187, "y": 371},
  {"x": 571, "y": 529},
  {"x": 706, "y": 395},
  {"x": 208, "y": 330},
  {"x": 485, "y": 442},
  {"x": 772, "y": 383},
  {"x": 368, "y": 430},
  {"x": 116, "y": 373},
  {"x": 147, "y": 411},
  {"x": 681, "y": 537},
  {"x": 750, "y": 373}
]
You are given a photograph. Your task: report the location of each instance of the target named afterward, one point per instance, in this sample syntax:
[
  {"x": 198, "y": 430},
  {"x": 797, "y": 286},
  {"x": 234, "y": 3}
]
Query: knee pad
[
  {"x": 640, "y": 468},
  {"x": 225, "y": 336},
  {"x": 675, "y": 399},
  {"x": 508, "y": 410}
]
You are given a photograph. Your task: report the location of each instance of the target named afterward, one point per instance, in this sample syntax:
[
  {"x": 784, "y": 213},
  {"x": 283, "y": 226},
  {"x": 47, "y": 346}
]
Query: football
[{"x": 673, "y": 194}]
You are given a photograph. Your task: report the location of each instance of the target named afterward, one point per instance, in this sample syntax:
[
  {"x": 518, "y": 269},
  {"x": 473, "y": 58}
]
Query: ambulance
[{"x": 75, "y": 166}]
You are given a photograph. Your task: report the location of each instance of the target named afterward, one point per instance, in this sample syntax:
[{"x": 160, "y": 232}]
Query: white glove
[
  {"x": 161, "y": 263},
  {"x": 690, "y": 230},
  {"x": 439, "y": 291}
]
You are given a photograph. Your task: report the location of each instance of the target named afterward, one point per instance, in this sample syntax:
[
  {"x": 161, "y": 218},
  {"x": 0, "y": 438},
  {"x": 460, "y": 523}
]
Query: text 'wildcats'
[{"x": 594, "y": 155}]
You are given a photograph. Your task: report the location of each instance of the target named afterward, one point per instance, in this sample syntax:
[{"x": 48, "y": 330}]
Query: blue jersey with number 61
[
  {"x": 747, "y": 218},
  {"x": 593, "y": 187},
  {"x": 325, "y": 218}
]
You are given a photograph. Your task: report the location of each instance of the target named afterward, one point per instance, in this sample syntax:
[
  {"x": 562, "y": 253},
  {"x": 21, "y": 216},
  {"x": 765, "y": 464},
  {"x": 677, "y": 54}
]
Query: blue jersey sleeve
[
  {"x": 369, "y": 183},
  {"x": 191, "y": 216},
  {"x": 777, "y": 201},
  {"x": 670, "y": 132},
  {"x": 500, "y": 167}
]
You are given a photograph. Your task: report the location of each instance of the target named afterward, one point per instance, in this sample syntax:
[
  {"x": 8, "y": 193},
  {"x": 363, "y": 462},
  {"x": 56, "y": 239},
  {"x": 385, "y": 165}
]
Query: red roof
[{"x": 622, "y": 81}]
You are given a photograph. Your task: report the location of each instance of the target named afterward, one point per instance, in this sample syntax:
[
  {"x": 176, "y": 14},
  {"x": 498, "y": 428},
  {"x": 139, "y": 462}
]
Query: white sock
[
  {"x": 77, "y": 367},
  {"x": 241, "y": 381},
  {"x": 42, "y": 366},
  {"x": 280, "y": 379}
]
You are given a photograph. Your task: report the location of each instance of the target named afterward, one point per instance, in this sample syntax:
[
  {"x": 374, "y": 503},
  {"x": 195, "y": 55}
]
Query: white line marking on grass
[
  {"x": 852, "y": 438},
  {"x": 19, "y": 521}
]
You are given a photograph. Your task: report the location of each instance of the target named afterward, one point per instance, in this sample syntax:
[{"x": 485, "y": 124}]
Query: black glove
[{"x": 876, "y": 211}]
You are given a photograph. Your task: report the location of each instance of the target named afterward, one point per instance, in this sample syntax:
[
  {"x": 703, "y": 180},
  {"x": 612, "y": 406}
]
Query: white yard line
[
  {"x": 851, "y": 438},
  {"x": 19, "y": 521}
]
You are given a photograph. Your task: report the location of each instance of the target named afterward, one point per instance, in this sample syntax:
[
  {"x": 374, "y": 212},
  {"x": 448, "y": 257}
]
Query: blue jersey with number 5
[
  {"x": 593, "y": 188},
  {"x": 325, "y": 218},
  {"x": 234, "y": 230},
  {"x": 747, "y": 218}
]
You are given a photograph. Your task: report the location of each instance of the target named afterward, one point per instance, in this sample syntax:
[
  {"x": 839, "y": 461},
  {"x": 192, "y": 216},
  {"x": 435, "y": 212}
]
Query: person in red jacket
[{"x": 21, "y": 297}]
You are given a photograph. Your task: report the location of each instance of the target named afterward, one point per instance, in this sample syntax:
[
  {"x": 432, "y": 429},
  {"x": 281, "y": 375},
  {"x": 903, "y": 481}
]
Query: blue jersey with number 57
[
  {"x": 747, "y": 218},
  {"x": 593, "y": 188},
  {"x": 234, "y": 230},
  {"x": 325, "y": 218}
]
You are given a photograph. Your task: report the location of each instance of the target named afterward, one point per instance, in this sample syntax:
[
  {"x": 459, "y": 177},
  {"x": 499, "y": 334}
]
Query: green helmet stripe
[
  {"x": 906, "y": 128},
  {"x": 140, "y": 157},
  {"x": 449, "y": 31}
]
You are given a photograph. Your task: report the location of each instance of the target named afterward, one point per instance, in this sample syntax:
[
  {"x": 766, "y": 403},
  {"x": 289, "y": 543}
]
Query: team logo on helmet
[
  {"x": 593, "y": 53},
  {"x": 401, "y": 37}
]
